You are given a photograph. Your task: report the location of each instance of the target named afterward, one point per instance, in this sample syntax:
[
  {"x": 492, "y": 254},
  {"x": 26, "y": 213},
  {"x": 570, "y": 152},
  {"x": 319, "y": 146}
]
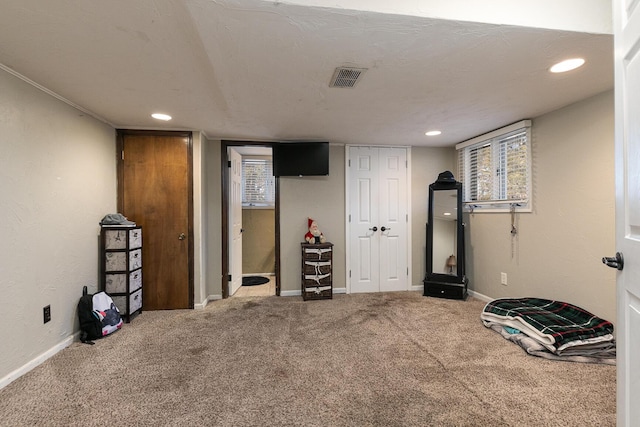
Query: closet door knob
[
  {"x": 374, "y": 229},
  {"x": 182, "y": 236},
  {"x": 383, "y": 229}
]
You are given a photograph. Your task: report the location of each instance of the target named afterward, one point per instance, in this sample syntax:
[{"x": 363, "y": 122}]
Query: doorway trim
[
  {"x": 409, "y": 243},
  {"x": 224, "y": 159},
  {"x": 120, "y": 134}
]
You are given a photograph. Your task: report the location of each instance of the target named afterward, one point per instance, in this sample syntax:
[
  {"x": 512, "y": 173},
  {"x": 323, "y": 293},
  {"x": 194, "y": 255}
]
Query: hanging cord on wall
[
  {"x": 512, "y": 209},
  {"x": 514, "y": 230}
]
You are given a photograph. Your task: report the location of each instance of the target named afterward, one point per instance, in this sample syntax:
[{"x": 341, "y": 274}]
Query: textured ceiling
[{"x": 253, "y": 69}]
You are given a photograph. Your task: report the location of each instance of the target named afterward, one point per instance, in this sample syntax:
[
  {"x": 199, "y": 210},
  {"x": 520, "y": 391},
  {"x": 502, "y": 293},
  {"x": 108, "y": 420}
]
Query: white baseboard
[
  {"x": 38, "y": 360},
  {"x": 206, "y": 301},
  {"x": 291, "y": 293},
  {"x": 480, "y": 296},
  {"x": 335, "y": 291},
  {"x": 298, "y": 293},
  {"x": 202, "y": 305}
]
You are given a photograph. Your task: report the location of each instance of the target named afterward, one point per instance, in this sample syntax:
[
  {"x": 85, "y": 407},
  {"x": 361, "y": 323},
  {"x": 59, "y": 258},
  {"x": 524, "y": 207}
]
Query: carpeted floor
[{"x": 391, "y": 359}]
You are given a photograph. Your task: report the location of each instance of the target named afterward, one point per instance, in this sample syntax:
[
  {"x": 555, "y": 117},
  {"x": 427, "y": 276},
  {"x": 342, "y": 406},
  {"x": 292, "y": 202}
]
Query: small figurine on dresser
[{"x": 314, "y": 235}]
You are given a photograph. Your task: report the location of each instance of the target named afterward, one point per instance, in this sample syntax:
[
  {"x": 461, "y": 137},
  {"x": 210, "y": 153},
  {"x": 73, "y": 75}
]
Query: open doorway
[{"x": 250, "y": 234}]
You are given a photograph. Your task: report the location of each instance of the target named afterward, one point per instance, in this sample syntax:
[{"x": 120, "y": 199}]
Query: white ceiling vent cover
[{"x": 346, "y": 76}]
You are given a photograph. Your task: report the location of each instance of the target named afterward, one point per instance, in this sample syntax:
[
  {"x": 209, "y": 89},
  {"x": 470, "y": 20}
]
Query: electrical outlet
[
  {"x": 503, "y": 278},
  {"x": 46, "y": 313}
]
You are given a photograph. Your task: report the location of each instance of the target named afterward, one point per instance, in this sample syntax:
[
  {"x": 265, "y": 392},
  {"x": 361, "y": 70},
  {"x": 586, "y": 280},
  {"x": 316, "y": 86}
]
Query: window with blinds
[
  {"x": 495, "y": 169},
  {"x": 258, "y": 183}
]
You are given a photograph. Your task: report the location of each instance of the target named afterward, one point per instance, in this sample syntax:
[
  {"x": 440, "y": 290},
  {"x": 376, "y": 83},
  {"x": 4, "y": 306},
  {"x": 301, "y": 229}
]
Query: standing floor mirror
[{"x": 445, "y": 276}]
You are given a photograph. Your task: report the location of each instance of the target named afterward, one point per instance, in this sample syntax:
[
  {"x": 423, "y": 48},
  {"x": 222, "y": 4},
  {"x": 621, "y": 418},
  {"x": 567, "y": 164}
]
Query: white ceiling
[{"x": 260, "y": 70}]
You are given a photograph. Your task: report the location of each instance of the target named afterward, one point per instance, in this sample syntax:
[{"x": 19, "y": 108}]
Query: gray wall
[
  {"x": 258, "y": 241},
  {"x": 321, "y": 198},
  {"x": 212, "y": 218},
  {"x": 200, "y": 187},
  {"x": 57, "y": 180},
  {"x": 426, "y": 164},
  {"x": 558, "y": 249}
]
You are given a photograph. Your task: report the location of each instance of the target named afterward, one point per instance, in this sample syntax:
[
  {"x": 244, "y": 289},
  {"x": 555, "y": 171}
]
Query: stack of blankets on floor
[{"x": 552, "y": 329}]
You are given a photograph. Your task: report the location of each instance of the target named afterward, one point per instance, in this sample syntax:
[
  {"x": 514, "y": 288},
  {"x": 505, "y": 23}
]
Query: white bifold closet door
[{"x": 378, "y": 219}]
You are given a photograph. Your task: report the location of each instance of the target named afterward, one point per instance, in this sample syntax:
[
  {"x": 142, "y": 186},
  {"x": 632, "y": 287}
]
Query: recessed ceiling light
[
  {"x": 567, "y": 65},
  {"x": 447, "y": 214},
  {"x": 159, "y": 116},
  {"x": 433, "y": 133}
]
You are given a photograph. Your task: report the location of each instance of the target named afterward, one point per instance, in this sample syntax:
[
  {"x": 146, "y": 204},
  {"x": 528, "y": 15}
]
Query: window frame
[
  {"x": 269, "y": 204},
  {"x": 496, "y": 141}
]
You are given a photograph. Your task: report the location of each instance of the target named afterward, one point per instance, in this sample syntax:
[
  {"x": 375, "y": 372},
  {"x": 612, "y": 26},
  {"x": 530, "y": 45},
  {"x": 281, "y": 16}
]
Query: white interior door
[
  {"x": 627, "y": 147},
  {"x": 235, "y": 222},
  {"x": 393, "y": 218},
  {"x": 364, "y": 229},
  {"x": 378, "y": 217}
]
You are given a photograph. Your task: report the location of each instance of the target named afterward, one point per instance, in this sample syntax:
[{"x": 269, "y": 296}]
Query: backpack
[{"x": 98, "y": 316}]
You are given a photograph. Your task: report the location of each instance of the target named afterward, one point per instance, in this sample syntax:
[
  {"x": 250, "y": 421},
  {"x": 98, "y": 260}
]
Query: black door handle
[
  {"x": 385, "y": 228},
  {"x": 374, "y": 228},
  {"x": 617, "y": 262}
]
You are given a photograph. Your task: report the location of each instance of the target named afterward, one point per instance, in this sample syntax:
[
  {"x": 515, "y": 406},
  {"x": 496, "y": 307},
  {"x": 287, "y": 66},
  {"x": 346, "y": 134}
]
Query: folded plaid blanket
[
  {"x": 603, "y": 353},
  {"x": 555, "y": 324}
]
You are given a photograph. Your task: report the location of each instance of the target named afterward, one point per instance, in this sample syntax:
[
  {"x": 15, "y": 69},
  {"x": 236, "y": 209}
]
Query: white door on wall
[
  {"x": 235, "y": 222},
  {"x": 378, "y": 219},
  {"x": 627, "y": 147}
]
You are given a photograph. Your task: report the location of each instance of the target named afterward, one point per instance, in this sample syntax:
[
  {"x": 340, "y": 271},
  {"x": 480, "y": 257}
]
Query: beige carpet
[{"x": 393, "y": 359}]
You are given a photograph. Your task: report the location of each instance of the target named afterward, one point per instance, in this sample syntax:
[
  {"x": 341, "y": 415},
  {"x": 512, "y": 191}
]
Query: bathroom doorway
[{"x": 250, "y": 220}]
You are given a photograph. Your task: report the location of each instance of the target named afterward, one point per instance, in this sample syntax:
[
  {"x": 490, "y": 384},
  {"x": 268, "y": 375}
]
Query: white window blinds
[
  {"x": 258, "y": 182},
  {"x": 495, "y": 169}
]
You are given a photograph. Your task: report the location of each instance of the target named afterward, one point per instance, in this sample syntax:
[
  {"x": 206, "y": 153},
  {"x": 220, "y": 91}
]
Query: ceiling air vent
[{"x": 346, "y": 76}]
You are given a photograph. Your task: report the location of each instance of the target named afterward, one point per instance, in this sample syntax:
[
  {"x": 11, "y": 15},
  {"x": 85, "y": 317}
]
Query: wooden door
[
  {"x": 627, "y": 149},
  {"x": 378, "y": 209},
  {"x": 155, "y": 191}
]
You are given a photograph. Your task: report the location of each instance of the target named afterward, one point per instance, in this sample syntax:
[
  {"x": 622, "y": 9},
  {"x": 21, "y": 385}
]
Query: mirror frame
[{"x": 446, "y": 182}]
